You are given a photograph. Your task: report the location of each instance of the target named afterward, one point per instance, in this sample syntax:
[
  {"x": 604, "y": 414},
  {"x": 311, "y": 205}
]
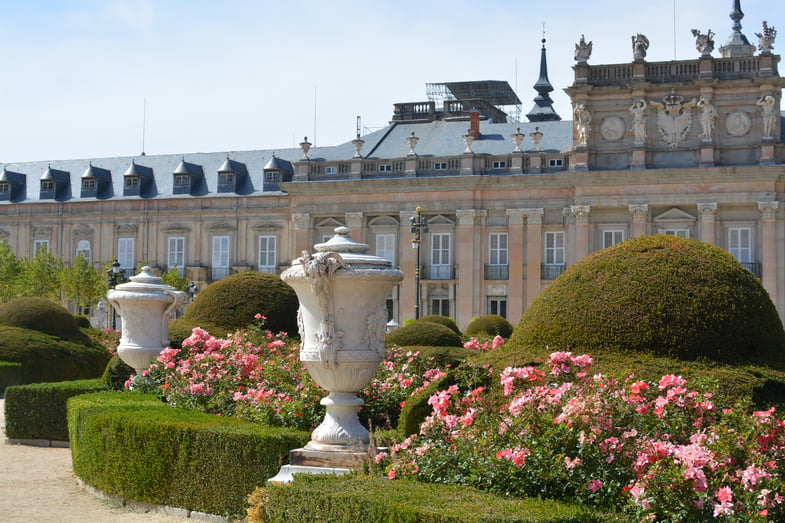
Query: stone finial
[
  {"x": 536, "y": 136},
  {"x": 412, "y": 142},
  {"x": 766, "y": 39},
  {"x": 358, "y": 144},
  {"x": 582, "y": 51},
  {"x": 468, "y": 139},
  {"x": 517, "y": 139},
  {"x": 305, "y": 145},
  {"x": 704, "y": 42}
]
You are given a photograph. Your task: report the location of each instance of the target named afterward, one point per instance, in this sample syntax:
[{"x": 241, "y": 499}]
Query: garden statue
[
  {"x": 146, "y": 305},
  {"x": 343, "y": 322}
]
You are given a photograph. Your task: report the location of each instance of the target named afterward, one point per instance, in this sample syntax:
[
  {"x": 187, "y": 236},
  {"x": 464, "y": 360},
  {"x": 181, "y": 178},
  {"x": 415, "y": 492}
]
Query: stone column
[
  {"x": 769, "y": 247},
  {"x": 533, "y": 253},
  {"x": 468, "y": 272},
  {"x": 708, "y": 215},
  {"x": 301, "y": 234},
  {"x": 408, "y": 264},
  {"x": 640, "y": 218},
  {"x": 515, "y": 297},
  {"x": 581, "y": 213}
]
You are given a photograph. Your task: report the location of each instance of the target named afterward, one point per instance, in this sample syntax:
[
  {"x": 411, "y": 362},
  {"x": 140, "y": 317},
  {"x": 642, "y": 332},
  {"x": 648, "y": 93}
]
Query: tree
[
  {"x": 10, "y": 270},
  {"x": 41, "y": 275},
  {"x": 82, "y": 284},
  {"x": 175, "y": 279}
]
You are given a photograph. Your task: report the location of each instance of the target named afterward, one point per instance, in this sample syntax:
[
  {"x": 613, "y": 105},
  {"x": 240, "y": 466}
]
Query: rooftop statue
[
  {"x": 766, "y": 39},
  {"x": 582, "y": 51},
  {"x": 639, "y": 46},
  {"x": 704, "y": 42}
]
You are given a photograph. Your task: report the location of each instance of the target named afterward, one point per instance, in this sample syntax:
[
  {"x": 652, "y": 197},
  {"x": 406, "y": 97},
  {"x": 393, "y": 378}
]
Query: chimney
[{"x": 474, "y": 124}]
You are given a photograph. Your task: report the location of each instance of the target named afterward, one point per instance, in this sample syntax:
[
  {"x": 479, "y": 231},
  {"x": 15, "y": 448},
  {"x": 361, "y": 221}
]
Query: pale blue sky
[{"x": 242, "y": 74}]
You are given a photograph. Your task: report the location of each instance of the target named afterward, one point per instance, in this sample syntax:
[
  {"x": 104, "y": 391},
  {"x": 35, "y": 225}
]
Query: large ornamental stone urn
[
  {"x": 343, "y": 321},
  {"x": 146, "y": 305}
]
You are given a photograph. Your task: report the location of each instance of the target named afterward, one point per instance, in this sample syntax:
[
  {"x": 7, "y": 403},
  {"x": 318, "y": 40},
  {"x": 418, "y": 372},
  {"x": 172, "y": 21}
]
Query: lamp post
[
  {"x": 113, "y": 278},
  {"x": 419, "y": 225}
]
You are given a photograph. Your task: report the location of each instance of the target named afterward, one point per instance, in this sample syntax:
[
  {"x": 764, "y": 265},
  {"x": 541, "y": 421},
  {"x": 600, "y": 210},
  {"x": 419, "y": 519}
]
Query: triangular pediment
[
  {"x": 329, "y": 222},
  {"x": 440, "y": 219},
  {"x": 674, "y": 215}
]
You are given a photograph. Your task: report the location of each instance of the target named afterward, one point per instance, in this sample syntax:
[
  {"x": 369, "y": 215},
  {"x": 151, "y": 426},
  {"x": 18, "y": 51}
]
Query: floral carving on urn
[
  {"x": 343, "y": 320},
  {"x": 146, "y": 305}
]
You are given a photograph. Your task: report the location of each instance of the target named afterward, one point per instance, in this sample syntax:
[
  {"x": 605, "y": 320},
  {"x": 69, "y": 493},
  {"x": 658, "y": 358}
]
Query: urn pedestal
[
  {"x": 146, "y": 305},
  {"x": 343, "y": 322}
]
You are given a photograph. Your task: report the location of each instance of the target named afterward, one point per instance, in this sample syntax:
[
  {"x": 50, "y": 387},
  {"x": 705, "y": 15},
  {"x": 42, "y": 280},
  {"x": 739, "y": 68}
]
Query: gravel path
[{"x": 37, "y": 485}]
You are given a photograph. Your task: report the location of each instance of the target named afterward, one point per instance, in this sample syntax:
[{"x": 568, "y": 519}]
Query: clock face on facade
[
  {"x": 612, "y": 128},
  {"x": 738, "y": 123}
]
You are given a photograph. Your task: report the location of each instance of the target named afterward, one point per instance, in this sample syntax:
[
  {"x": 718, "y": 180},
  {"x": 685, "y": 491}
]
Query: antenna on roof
[
  {"x": 314, "y": 113},
  {"x": 358, "y": 125},
  {"x": 144, "y": 122}
]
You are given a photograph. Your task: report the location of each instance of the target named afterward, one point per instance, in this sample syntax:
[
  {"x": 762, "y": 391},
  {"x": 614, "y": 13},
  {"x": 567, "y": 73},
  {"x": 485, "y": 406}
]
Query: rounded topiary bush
[
  {"x": 232, "y": 302},
  {"x": 658, "y": 294},
  {"x": 490, "y": 324},
  {"x": 39, "y": 314},
  {"x": 442, "y": 320},
  {"x": 423, "y": 333}
]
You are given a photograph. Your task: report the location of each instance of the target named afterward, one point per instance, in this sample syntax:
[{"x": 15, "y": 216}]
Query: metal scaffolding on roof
[{"x": 496, "y": 92}]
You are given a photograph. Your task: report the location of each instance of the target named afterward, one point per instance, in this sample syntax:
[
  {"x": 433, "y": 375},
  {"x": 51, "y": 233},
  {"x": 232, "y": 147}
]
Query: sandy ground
[{"x": 37, "y": 485}]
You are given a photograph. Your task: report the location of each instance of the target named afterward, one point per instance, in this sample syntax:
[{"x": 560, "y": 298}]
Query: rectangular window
[
  {"x": 612, "y": 237},
  {"x": 497, "y": 248},
  {"x": 385, "y": 247},
  {"x": 220, "y": 257},
  {"x": 88, "y": 183},
  {"x": 499, "y": 164},
  {"x": 275, "y": 176},
  {"x": 226, "y": 178},
  {"x": 268, "y": 254},
  {"x": 440, "y": 166},
  {"x": 125, "y": 254},
  {"x": 498, "y": 306},
  {"x": 176, "y": 253},
  {"x": 681, "y": 233},
  {"x": 47, "y": 185},
  {"x": 83, "y": 248},
  {"x": 440, "y": 257},
  {"x": 555, "y": 162},
  {"x": 5, "y": 187},
  {"x": 554, "y": 248},
  {"x": 385, "y": 168},
  {"x": 740, "y": 243},
  {"x": 131, "y": 181},
  {"x": 40, "y": 244},
  {"x": 330, "y": 170},
  {"x": 440, "y": 306},
  {"x": 182, "y": 179}
]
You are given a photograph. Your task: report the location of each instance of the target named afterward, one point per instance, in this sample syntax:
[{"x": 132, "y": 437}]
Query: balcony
[
  {"x": 438, "y": 272},
  {"x": 753, "y": 267},
  {"x": 497, "y": 272},
  {"x": 551, "y": 271}
]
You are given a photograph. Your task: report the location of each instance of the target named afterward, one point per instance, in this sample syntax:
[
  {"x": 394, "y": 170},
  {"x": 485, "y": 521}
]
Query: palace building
[{"x": 691, "y": 148}]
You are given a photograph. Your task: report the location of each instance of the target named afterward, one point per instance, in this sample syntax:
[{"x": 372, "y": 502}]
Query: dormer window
[
  {"x": 226, "y": 178},
  {"x": 187, "y": 177},
  {"x": 138, "y": 180},
  {"x": 5, "y": 187},
  {"x": 229, "y": 175},
  {"x": 131, "y": 181},
  {"x": 12, "y": 186},
  {"x": 274, "y": 176},
  {"x": 96, "y": 182},
  {"x": 47, "y": 185},
  {"x": 88, "y": 184},
  {"x": 182, "y": 180}
]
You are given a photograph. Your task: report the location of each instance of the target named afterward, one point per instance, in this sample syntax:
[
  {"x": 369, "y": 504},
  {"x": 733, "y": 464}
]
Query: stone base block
[{"x": 309, "y": 461}]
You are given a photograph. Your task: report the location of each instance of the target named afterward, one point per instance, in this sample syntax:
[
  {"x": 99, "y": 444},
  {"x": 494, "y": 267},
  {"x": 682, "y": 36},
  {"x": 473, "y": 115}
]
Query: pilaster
[
  {"x": 301, "y": 230},
  {"x": 581, "y": 213},
  {"x": 768, "y": 212},
  {"x": 515, "y": 298},
  {"x": 708, "y": 216},
  {"x": 640, "y": 218},
  {"x": 533, "y": 253},
  {"x": 408, "y": 263},
  {"x": 467, "y": 269}
]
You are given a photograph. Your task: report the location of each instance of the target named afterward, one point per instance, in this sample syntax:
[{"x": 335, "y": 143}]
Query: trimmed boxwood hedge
[
  {"x": 490, "y": 324},
  {"x": 423, "y": 333},
  {"x": 39, "y": 314},
  {"x": 134, "y": 446},
  {"x": 658, "y": 294},
  {"x": 38, "y": 411},
  {"x": 353, "y": 498},
  {"x": 442, "y": 320},
  {"x": 44, "y": 358},
  {"x": 232, "y": 302}
]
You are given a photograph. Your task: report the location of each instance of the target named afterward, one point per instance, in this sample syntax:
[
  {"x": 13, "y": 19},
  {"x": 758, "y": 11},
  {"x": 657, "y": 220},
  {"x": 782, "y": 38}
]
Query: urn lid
[
  {"x": 351, "y": 251},
  {"x": 145, "y": 281}
]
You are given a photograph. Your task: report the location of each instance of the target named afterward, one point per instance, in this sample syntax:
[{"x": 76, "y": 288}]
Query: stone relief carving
[
  {"x": 582, "y": 123},
  {"x": 582, "y": 51},
  {"x": 638, "y": 110},
  {"x": 768, "y": 105},
  {"x": 707, "y": 116},
  {"x": 640, "y": 44},
  {"x": 674, "y": 118},
  {"x": 376, "y": 329},
  {"x": 738, "y": 123},
  {"x": 704, "y": 42},
  {"x": 612, "y": 128},
  {"x": 319, "y": 269},
  {"x": 766, "y": 38}
]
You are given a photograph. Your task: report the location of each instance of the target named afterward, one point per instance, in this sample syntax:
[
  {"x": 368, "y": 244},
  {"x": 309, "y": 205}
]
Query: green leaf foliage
[
  {"x": 82, "y": 284},
  {"x": 490, "y": 324},
  {"x": 39, "y": 314},
  {"x": 423, "y": 333},
  {"x": 657, "y": 294},
  {"x": 442, "y": 320}
]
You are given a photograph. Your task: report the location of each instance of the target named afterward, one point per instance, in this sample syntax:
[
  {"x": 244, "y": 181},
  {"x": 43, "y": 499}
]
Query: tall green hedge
[
  {"x": 659, "y": 294},
  {"x": 38, "y": 411},
  {"x": 423, "y": 333},
  {"x": 134, "y": 446},
  {"x": 39, "y": 314}
]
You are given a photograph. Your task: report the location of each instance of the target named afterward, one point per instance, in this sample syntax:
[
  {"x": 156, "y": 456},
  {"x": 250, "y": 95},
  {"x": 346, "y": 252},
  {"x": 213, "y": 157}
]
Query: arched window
[{"x": 83, "y": 248}]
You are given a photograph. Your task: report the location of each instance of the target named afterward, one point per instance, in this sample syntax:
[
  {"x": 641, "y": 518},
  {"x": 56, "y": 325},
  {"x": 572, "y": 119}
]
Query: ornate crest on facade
[{"x": 674, "y": 119}]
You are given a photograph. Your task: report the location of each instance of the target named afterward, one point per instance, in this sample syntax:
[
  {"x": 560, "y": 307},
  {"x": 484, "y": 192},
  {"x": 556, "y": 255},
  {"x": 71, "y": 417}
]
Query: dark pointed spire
[
  {"x": 543, "y": 105},
  {"x": 737, "y": 44}
]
